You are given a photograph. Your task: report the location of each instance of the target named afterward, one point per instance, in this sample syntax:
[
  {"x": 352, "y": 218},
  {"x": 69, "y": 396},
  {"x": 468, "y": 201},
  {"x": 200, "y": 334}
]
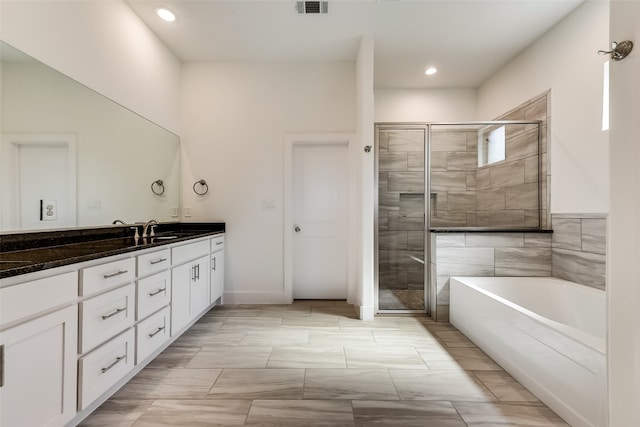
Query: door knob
[{"x": 297, "y": 229}]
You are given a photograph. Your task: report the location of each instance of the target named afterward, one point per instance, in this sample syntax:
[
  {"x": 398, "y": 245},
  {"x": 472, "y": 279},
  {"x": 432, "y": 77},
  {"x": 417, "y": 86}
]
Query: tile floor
[{"x": 313, "y": 363}]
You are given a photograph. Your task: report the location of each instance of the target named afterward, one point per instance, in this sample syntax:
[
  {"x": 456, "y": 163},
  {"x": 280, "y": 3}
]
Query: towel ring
[
  {"x": 202, "y": 183},
  {"x": 157, "y": 187}
]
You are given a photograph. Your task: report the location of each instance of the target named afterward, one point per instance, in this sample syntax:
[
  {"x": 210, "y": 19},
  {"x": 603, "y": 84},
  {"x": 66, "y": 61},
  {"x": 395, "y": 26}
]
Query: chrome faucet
[
  {"x": 152, "y": 223},
  {"x": 119, "y": 221}
]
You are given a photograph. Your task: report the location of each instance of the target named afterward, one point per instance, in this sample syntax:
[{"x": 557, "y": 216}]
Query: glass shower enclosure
[{"x": 481, "y": 176}]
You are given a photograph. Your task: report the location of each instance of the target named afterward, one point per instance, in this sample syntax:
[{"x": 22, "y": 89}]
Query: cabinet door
[
  {"x": 38, "y": 378},
  {"x": 200, "y": 287},
  {"x": 181, "y": 278},
  {"x": 217, "y": 276}
]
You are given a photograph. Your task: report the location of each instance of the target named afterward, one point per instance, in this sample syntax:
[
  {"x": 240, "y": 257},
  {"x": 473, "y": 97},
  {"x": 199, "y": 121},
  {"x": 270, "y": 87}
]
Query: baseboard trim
[
  {"x": 366, "y": 312},
  {"x": 256, "y": 298}
]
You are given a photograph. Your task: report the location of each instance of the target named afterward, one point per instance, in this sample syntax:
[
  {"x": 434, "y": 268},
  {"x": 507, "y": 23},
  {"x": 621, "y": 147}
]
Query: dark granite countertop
[
  {"x": 22, "y": 253},
  {"x": 489, "y": 230}
]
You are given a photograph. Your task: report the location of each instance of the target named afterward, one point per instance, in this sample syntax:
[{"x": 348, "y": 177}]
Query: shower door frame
[{"x": 427, "y": 214}]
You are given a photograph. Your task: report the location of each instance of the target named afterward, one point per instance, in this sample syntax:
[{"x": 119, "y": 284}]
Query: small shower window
[{"x": 491, "y": 143}]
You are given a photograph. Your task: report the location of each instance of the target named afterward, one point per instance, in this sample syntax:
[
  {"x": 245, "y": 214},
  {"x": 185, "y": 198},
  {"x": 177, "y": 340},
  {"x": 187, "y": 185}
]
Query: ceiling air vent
[{"x": 312, "y": 7}]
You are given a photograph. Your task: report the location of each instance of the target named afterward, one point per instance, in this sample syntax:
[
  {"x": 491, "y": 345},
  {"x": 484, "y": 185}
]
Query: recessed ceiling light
[
  {"x": 166, "y": 14},
  {"x": 431, "y": 71}
]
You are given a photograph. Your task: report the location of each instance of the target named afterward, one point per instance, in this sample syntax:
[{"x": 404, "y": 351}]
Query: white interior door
[{"x": 320, "y": 215}]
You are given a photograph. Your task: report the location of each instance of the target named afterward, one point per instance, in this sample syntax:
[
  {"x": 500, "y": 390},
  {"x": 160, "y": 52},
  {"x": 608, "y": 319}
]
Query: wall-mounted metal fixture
[
  {"x": 618, "y": 51},
  {"x": 157, "y": 187},
  {"x": 202, "y": 185},
  {"x": 367, "y": 148}
]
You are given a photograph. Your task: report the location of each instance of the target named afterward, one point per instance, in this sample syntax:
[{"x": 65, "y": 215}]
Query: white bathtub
[{"x": 547, "y": 333}]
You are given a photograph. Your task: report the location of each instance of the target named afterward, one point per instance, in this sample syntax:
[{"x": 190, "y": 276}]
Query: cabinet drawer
[
  {"x": 151, "y": 333},
  {"x": 217, "y": 243},
  {"x": 153, "y": 262},
  {"x": 106, "y": 315},
  {"x": 191, "y": 251},
  {"x": 101, "y": 369},
  {"x": 154, "y": 292},
  {"x": 30, "y": 298},
  {"x": 103, "y": 276}
]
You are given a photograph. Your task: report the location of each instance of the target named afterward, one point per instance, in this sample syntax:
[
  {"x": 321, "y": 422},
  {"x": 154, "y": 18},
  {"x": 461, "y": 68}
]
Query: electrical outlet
[
  {"x": 48, "y": 210},
  {"x": 268, "y": 204},
  {"x": 187, "y": 211},
  {"x": 174, "y": 211}
]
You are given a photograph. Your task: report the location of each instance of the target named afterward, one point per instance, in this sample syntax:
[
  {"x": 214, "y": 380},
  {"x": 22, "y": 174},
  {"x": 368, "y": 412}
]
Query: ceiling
[{"x": 467, "y": 40}]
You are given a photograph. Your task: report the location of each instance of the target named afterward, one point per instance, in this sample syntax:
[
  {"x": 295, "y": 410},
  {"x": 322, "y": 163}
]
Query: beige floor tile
[
  {"x": 220, "y": 337},
  {"x": 247, "y": 323},
  {"x": 454, "y": 338},
  {"x": 315, "y": 303},
  {"x": 406, "y": 414},
  {"x": 231, "y": 357},
  {"x": 469, "y": 358},
  {"x": 259, "y": 384},
  {"x": 177, "y": 383},
  {"x": 354, "y": 338},
  {"x": 278, "y": 337},
  {"x": 174, "y": 357},
  {"x": 117, "y": 413},
  {"x": 360, "y": 384},
  {"x": 440, "y": 385},
  {"x": 324, "y": 323},
  {"x": 404, "y": 339},
  {"x": 307, "y": 357},
  {"x": 496, "y": 414},
  {"x": 194, "y": 413},
  {"x": 384, "y": 323},
  {"x": 505, "y": 387},
  {"x": 338, "y": 312},
  {"x": 384, "y": 358},
  {"x": 333, "y": 413}
]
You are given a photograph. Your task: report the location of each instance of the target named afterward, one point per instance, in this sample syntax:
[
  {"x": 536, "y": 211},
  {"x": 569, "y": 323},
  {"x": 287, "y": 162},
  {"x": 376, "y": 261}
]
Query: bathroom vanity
[{"x": 82, "y": 311}]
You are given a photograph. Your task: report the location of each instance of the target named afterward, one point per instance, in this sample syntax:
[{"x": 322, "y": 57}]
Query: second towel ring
[
  {"x": 157, "y": 187},
  {"x": 203, "y": 184}
]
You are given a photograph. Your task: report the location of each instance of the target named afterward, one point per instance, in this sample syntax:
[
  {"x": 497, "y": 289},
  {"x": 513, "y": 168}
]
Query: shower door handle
[{"x": 296, "y": 229}]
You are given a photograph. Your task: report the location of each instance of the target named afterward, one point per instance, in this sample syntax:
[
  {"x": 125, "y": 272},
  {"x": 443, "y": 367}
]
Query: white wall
[
  {"x": 565, "y": 61},
  {"x": 366, "y": 162},
  {"x": 624, "y": 223},
  {"x": 102, "y": 44},
  {"x": 425, "y": 105},
  {"x": 235, "y": 117}
]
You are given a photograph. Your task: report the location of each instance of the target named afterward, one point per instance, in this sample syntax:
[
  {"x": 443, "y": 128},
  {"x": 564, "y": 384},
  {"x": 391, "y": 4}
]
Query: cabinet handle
[
  {"x": 156, "y": 292},
  {"x": 113, "y": 313},
  {"x": 156, "y": 332},
  {"x": 214, "y": 264},
  {"x": 193, "y": 273},
  {"x": 2, "y": 365},
  {"x": 117, "y": 273},
  {"x": 114, "y": 363},
  {"x": 219, "y": 243},
  {"x": 157, "y": 261}
]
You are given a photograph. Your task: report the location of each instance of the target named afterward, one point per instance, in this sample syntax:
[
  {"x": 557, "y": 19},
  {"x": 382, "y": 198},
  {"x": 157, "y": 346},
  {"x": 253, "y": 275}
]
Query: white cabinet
[
  {"x": 154, "y": 292},
  {"x": 38, "y": 354},
  {"x": 104, "y": 367},
  {"x": 217, "y": 269},
  {"x": 189, "y": 292},
  {"x": 151, "y": 333}
]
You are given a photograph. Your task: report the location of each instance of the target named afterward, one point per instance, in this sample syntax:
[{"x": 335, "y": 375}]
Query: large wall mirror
[{"x": 71, "y": 157}]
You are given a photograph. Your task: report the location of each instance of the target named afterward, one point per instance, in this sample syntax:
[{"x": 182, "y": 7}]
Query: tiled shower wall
[
  {"x": 579, "y": 248},
  {"x": 487, "y": 255},
  {"x": 454, "y": 161},
  {"x": 401, "y": 219},
  {"x": 514, "y": 183}
]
